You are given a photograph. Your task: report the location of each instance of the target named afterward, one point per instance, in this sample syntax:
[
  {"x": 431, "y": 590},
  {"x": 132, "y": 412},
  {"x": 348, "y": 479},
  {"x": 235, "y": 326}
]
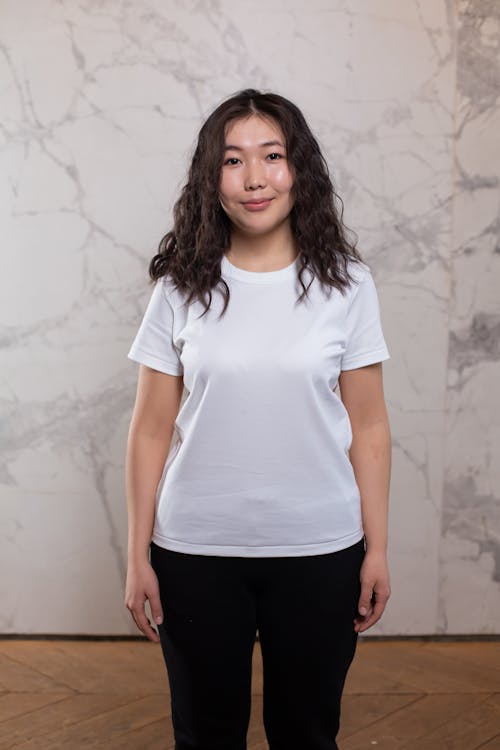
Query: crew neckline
[{"x": 259, "y": 277}]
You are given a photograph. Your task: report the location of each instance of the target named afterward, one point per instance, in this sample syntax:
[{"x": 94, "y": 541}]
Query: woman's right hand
[{"x": 142, "y": 585}]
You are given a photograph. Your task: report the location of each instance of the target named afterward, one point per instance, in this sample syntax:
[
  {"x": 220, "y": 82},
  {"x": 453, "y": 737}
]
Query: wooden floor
[{"x": 411, "y": 694}]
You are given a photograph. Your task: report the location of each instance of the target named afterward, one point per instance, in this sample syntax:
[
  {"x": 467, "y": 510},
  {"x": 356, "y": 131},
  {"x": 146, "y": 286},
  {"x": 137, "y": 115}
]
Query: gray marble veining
[{"x": 99, "y": 110}]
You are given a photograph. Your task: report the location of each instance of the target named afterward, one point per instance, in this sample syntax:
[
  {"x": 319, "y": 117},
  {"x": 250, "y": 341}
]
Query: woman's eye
[{"x": 233, "y": 159}]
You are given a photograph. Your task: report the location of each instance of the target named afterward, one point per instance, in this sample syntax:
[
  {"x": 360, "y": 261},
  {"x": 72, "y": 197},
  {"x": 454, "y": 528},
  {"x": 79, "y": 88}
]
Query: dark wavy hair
[{"x": 192, "y": 251}]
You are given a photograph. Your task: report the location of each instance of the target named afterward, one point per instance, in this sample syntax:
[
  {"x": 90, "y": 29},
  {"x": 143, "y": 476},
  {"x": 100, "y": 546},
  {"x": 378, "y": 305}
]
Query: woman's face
[{"x": 255, "y": 167}]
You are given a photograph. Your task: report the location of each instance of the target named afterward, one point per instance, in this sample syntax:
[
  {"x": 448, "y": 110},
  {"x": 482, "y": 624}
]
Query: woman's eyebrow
[{"x": 261, "y": 145}]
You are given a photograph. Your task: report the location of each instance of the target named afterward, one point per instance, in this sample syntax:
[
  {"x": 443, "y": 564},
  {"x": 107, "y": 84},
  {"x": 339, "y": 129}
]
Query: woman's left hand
[{"x": 375, "y": 590}]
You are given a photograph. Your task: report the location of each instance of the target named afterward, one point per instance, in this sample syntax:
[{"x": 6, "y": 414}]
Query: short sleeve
[
  {"x": 153, "y": 345},
  {"x": 365, "y": 343}
]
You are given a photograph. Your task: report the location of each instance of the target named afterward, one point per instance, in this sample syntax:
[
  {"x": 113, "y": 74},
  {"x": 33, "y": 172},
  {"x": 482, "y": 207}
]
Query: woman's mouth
[{"x": 257, "y": 205}]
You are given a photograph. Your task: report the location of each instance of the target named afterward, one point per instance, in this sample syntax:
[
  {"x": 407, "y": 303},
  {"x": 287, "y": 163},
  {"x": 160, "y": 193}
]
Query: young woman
[{"x": 259, "y": 503}]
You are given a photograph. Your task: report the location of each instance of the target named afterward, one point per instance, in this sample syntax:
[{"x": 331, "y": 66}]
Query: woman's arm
[
  {"x": 150, "y": 434},
  {"x": 370, "y": 454}
]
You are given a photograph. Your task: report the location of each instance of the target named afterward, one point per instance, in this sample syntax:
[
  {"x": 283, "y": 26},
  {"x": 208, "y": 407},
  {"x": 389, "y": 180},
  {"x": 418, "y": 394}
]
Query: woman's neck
[{"x": 263, "y": 252}]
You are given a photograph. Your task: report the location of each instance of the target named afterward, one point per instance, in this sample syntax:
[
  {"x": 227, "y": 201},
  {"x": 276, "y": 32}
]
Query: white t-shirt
[{"x": 259, "y": 463}]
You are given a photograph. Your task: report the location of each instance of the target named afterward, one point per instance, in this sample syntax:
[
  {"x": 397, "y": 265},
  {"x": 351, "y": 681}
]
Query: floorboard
[{"x": 114, "y": 695}]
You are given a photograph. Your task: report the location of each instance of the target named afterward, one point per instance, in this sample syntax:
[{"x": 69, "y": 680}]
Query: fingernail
[
  {"x": 362, "y": 610},
  {"x": 159, "y": 620}
]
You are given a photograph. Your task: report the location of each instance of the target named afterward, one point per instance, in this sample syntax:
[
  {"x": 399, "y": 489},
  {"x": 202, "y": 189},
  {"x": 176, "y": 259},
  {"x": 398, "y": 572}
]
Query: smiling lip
[{"x": 255, "y": 205}]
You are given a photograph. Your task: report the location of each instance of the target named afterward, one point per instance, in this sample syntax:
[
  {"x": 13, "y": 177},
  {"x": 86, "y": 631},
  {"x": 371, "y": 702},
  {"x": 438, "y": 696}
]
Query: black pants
[{"x": 303, "y": 608}]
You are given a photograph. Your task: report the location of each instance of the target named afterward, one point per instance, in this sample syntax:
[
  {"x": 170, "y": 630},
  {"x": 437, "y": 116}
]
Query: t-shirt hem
[
  {"x": 138, "y": 355},
  {"x": 293, "y": 550},
  {"x": 381, "y": 355}
]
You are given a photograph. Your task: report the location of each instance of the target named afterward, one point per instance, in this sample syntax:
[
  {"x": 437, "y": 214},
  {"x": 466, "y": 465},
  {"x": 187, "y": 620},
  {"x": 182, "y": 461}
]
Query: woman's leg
[
  {"x": 207, "y": 638},
  {"x": 306, "y": 631}
]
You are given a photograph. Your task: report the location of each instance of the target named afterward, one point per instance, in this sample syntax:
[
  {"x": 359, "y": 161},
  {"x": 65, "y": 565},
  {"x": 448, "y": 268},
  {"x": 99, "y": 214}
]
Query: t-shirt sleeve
[
  {"x": 153, "y": 344},
  {"x": 365, "y": 343}
]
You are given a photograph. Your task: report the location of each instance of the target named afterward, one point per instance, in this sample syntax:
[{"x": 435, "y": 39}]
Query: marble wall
[{"x": 100, "y": 104}]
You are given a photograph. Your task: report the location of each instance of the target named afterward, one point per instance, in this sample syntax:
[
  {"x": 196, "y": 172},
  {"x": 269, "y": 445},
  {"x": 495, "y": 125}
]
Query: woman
[{"x": 268, "y": 510}]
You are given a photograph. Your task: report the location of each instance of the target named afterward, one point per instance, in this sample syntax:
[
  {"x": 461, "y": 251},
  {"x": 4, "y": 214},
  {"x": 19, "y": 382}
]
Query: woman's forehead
[{"x": 254, "y": 125}]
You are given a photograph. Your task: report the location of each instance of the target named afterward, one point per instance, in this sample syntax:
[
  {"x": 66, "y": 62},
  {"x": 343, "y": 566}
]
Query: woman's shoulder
[
  {"x": 358, "y": 270},
  {"x": 170, "y": 291}
]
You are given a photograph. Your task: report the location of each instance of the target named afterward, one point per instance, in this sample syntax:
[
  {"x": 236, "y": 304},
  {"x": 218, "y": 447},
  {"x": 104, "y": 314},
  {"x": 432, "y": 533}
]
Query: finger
[
  {"x": 144, "y": 625},
  {"x": 147, "y": 629},
  {"x": 156, "y": 608},
  {"x": 360, "y": 627},
  {"x": 364, "y": 602},
  {"x": 364, "y": 618},
  {"x": 375, "y": 609},
  {"x": 368, "y": 609},
  {"x": 375, "y": 616}
]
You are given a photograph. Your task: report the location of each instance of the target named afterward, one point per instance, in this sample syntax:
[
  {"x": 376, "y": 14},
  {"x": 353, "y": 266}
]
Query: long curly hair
[{"x": 192, "y": 251}]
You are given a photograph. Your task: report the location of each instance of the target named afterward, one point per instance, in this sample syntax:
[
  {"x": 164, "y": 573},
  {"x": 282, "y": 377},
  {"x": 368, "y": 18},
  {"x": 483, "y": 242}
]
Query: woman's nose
[{"x": 254, "y": 177}]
